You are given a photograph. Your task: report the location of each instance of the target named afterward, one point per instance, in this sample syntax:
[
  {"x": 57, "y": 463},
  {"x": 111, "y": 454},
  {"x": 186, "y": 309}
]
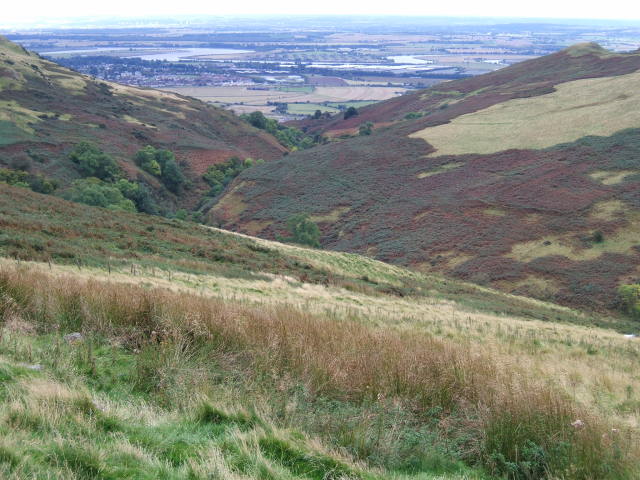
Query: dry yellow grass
[
  {"x": 493, "y": 368},
  {"x": 22, "y": 117},
  {"x": 333, "y": 216},
  {"x": 611, "y": 177},
  {"x": 599, "y": 106},
  {"x": 75, "y": 84},
  {"x": 570, "y": 246},
  {"x": 135, "y": 121},
  {"x": 441, "y": 169},
  {"x": 581, "y": 359}
]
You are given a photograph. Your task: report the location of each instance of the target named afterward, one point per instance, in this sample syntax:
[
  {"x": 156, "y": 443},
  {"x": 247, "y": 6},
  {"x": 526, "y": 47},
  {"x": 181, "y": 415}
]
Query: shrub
[
  {"x": 162, "y": 164},
  {"x": 303, "y": 230},
  {"x": 218, "y": 176},
  {"x": 350, "y": 112},
  {"x": 366, "y": 128},
  {"x": 93, "y": 162},
  {"x": 630, "y": 296},
  {"x": 92, "y": 191},
  {"x": 19, "y": 178}
]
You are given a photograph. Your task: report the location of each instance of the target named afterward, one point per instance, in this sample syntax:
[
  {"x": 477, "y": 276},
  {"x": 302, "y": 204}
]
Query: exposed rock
[{"x": 74, "y": 337}]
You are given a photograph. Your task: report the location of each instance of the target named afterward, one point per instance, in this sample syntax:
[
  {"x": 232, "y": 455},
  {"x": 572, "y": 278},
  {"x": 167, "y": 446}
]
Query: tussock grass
[{"x": 498, "y": 414}]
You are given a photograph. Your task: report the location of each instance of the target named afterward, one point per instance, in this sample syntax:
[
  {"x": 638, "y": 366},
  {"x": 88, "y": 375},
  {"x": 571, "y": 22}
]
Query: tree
[
  {"x": 303, "y": 230},
  {"x": 317, "y": 115},
  {"x": 218, "y": 176},
  {"x": 93, "y": 162},
  {"x": 630, "y": 296},
  {"x": 172, "y": 176},
  {"x": 290, "y": 137},
  {"x": 162, "y": 164},
  {"x": 139, "y": 194},
  {"x": 145, "y": 158},
  {"x": 258, "y": 120},
  {"x": 350, "y": 112}
]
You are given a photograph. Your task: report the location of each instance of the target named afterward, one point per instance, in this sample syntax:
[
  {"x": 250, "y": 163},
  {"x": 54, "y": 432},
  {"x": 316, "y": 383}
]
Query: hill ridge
[
  {"x": 521, "y": 217},
  {"x": 47, "y": 109}
]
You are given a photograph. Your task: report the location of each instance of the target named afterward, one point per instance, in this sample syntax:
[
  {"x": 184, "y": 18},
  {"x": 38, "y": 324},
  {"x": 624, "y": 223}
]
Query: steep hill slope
[
  {"x": 46, "y": 109},
  {"x": 526, "y": 179},
  {"x": 141, "y": 347}
]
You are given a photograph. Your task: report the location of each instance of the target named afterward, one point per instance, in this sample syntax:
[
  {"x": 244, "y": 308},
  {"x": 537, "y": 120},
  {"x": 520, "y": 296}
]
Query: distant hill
[
  {"x": 46, "y": 109},
  {"x": 526, "y": 179}
]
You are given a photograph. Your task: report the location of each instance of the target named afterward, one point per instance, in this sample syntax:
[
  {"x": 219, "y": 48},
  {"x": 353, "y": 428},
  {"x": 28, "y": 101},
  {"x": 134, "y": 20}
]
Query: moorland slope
[
  {"x": 46, "y": 110},
  {"x": 139, "y": 347},
  {"x": 525, "y": 179}
]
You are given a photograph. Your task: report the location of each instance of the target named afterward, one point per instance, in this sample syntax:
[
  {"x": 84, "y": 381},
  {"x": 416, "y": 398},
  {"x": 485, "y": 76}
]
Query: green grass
[
  {"x": 92, "y": 413},
  {"x": 309, "y": 108},
  {"x": 297, "y": 89},
  {"x": 174, "y": 385}
]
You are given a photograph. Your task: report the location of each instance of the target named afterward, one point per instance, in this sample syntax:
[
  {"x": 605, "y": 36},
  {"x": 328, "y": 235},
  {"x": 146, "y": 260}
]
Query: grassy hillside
[
  {"x": 448, "y": 100},
  {"x": 170, "y": 252},
  {"x": 525, "y": 179},
  {"x": 46, "y": 109},
  {"x": 207, "y": 354}
]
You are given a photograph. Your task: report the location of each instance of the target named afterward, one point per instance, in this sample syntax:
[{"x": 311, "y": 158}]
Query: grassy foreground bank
[{"x": 171, "y": 384}]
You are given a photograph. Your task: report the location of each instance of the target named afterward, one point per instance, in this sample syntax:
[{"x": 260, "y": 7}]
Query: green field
[
  {"x": 296, "y": 89},
  {"x": 331, "y": 107},
  {"x": 309, "y": 108},
  {"x": 355, "y": 103}
]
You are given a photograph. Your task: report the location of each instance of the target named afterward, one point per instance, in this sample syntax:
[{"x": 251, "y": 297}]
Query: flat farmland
[{"x": 242, "y": 94}]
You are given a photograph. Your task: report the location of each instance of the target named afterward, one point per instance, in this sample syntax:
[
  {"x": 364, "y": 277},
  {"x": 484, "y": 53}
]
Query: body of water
[{"x": 171, "y": 55}]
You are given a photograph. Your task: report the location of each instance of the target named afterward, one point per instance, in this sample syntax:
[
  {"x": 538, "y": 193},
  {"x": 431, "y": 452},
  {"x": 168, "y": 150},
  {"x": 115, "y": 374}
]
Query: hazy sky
[{"x": 35, "y": 11}]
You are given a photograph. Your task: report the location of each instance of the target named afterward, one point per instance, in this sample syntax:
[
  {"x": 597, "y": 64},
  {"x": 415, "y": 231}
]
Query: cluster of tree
[
  {"x": 93, "y": 162},
  {"x": 161, "y": 164},
  {"x": 318, "y": 114},
  {"x": 290, "y": 137},
  {"x": 303, "y": 231},
  {"x": 350, "y": 112},
  {"x": 19, "y": 178},
  {"x": 103, "y": 184},
  {"x": 93, "y": 191},
  {"x": 220, "y": 175},
  {"x": 630, "y": 296}
]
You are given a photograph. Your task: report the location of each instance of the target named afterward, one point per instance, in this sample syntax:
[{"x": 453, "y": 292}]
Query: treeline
[{"x": 290, "y": 137}]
